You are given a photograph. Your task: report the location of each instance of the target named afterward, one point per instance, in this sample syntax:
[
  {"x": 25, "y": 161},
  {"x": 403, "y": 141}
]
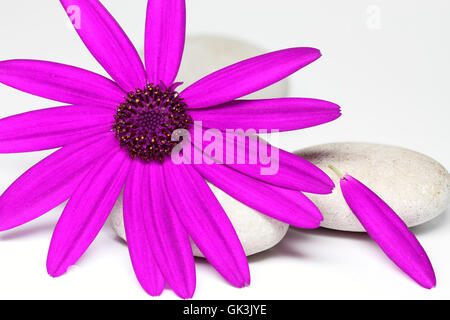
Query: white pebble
[
  {"x": 204, "y": 55},
  {"x": 414, "y": 185}
]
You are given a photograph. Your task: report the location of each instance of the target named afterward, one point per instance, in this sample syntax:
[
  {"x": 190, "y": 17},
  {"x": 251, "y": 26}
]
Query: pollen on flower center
[{"x": 144, "y": 123}]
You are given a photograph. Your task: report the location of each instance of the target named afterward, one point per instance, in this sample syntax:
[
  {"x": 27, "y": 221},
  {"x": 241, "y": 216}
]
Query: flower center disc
[{"x": 144, "y": 123}]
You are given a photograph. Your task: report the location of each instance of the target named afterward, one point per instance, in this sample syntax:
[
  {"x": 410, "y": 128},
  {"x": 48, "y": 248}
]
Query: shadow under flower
[
  {"x": 27, "y": 231},
  {"x": 290, "y": 246}
]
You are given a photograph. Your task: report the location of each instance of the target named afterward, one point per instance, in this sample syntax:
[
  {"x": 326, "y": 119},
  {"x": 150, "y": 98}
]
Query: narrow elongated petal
[
  {"x": 107, "y": 42},
  {"x": 87, "y": 211},
  {"x": 388, "y": 231},
  {"x": 169, "y": 240},
  {"x": 60, "y": 82},
  {"x": 136, "y": 204},
  {"x": 289, "y": 206},
  {"x": 257, "y": 159},
  {"x": 207, "y": 223},
  {"x": 50, "y": 182},
  {"x": 280, "y": 114},
  {"x": 52, "y": 128},
  {"x": 164, "y": 39},
  {"x": 247, "y": 77}
]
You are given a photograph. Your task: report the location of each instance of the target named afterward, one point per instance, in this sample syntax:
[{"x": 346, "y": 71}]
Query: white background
[{"x": 389, "y": 72}]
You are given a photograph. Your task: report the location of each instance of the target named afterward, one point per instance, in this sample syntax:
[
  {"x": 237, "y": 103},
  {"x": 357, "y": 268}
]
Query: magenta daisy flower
[{"x": 115, "y": 134}]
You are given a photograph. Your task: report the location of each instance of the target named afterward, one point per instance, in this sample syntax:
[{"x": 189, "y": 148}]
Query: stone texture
[{"x": 414, "y": 185}]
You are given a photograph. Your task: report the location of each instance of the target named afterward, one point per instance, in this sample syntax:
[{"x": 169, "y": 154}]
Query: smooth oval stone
[
  {"x": 414, "y": 185},
  {"x": 257, "y": 232},
  {"x": 206, "y": 54}
]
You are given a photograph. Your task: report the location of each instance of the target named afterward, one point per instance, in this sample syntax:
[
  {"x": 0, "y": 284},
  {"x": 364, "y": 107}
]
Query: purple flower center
[{"x": 144, "y": 123}]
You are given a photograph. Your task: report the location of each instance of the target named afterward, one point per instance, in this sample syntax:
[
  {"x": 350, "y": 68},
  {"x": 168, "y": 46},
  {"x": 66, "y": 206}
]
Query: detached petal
[
  {"x": 207, "y": 223},
  {"x": 276, "y": 114},
  {"x": 60, "y": 82},
  {"x": 52, "y": 128},
  {"x": 169, "y": 240},
  {"x": 388, "y": 231},
  {"x": 288, "y": 206},
  {"x": 247, "y": 77},
  {"x": 136, "y": 204},
  {"x": 87, "y": 211},
  {"x": 164, "y": 39},
  {"x": 107, "y": 42},
  {"x": 51, "y": 182}
]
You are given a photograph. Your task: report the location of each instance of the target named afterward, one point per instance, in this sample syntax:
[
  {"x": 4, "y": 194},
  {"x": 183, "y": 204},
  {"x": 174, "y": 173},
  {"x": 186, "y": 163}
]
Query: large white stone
[
  {"x": 202, "y": 56},
  {"x": 256, "y": 231},
  {"x": 414, "y": 185},
  {"x": 205, "y": 54}
]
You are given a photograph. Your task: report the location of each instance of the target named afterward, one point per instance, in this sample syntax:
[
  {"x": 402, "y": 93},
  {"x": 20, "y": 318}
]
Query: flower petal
[
  {"x": 136, "y": 204},
  {"x": 164, "y": 39},
  {"x": 50, "y": 182},
  {"x": 60, "y": 82},
  {"x": 169, "y": 240},
  {"x": 250, "y": 155},
  {"x": 87, "y": 211},
  {"x": 388, "y": 231},
  {"x": 206, "y": 223},
  {"x": 107, "y": 42},
  {"x": 288, "y": 206},
  {"x": 277, "y": 114},
  {"x": 247, "y": 77},
  {"x": 51, "y": 128}
]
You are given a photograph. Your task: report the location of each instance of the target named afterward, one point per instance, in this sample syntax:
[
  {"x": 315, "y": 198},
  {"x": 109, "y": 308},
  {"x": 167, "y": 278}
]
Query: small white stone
[
  {"x": 205, "y": 54},
  {"x": 414, "y": 185},
  {"x": 257, "y": 232}
]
